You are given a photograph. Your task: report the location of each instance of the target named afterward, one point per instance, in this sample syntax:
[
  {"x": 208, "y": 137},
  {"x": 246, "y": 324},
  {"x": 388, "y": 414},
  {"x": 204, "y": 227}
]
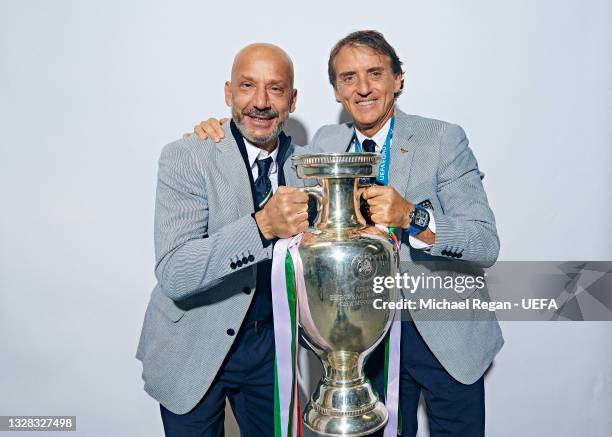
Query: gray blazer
[
  {"x": 431, "y": 160},
  {"x": 203, "y": 190}
]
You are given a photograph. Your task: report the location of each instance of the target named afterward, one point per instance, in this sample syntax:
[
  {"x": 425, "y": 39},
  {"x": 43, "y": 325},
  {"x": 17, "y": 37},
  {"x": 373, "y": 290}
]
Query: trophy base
[{"x": 340, "y": 419}]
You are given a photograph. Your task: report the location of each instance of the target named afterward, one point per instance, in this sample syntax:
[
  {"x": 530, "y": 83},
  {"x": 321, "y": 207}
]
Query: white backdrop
[{"x": 91, "y": 91}]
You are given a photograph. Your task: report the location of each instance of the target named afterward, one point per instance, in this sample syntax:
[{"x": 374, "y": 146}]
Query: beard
[{"x": 267, "y": 114}]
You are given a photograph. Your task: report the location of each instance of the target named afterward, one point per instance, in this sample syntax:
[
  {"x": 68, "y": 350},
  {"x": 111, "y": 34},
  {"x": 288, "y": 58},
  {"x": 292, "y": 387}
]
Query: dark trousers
[
  {"x": 453, "y": 409},
  {"x": 247, "y": 380}
]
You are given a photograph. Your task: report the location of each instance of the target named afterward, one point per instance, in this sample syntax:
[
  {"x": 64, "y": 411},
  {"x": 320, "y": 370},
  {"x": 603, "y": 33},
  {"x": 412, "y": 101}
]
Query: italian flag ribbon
[
  {"x": 287, "y": 286},
  {"x": 285, "y": 262},
  {"x": 392, "y": 360},
  {"x": 392, "y": 377}
]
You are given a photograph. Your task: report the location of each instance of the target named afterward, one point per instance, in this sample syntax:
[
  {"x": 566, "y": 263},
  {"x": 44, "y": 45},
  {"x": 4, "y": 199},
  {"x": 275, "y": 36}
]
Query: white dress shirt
[{"x": 379, "y": 138}]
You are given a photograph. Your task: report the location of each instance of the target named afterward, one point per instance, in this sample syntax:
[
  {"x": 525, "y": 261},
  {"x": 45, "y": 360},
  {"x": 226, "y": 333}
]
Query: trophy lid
[{"x": 336, "y": 165}]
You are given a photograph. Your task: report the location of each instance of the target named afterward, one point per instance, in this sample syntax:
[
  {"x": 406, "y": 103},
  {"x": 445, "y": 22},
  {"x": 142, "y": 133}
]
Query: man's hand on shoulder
[
  {"x": 285, "y": 214},
  {"x": 211, "y": 128}
]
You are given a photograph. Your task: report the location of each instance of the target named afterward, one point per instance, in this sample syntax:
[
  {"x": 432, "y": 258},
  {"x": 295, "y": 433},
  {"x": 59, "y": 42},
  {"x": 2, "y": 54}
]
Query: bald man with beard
[{"x": 208, "y": 331}]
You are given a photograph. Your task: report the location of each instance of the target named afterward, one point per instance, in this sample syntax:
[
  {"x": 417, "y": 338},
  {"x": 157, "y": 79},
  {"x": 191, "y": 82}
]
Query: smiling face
[
  {"x": 366, "y": 86},
  {"x": 261, "y": 93}
]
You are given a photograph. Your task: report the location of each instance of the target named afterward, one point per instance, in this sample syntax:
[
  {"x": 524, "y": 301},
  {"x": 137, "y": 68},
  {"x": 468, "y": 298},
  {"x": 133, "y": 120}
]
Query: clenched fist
[
  {"x": 284, "y": 215},
  {"x": 387, "y": 206}
]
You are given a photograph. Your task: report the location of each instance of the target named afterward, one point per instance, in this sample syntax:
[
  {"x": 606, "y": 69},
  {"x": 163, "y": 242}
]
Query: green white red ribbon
[
  {"x": 392, "y": 376},
  {"x": 287, "y": 417}
]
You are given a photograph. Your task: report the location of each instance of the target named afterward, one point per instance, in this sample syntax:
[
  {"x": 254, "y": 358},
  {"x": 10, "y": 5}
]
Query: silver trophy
[{"x": 341, "y": 256}]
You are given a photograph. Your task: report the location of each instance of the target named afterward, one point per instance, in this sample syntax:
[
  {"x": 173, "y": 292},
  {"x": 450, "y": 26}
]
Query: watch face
[{"x": 421, "y": 218}]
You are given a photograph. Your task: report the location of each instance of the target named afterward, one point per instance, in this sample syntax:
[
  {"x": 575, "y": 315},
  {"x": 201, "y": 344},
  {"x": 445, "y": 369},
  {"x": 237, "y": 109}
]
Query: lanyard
[{"x": 382, "y": 177}]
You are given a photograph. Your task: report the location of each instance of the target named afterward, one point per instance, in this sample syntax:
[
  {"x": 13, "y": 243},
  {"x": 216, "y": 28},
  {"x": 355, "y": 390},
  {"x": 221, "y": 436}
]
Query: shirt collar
[
  {"x": 254, "y": 153},
  {"x": 379, "y": 137}
]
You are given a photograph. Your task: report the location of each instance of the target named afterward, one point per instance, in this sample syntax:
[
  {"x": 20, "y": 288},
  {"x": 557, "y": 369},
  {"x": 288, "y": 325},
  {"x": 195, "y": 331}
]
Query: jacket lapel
[
  {"x": 402, "y": 153},
  {"x": 232, "y": 169}
]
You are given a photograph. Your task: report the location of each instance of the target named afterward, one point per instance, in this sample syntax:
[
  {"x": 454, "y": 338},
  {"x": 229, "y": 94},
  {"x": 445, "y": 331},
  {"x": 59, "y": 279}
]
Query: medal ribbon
[{"x": 382, "y": 176}]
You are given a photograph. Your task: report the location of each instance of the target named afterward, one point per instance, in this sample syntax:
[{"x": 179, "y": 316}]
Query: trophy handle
[
  {"x": 314, "y": 192},
  {"x": 364, "y": 208}
]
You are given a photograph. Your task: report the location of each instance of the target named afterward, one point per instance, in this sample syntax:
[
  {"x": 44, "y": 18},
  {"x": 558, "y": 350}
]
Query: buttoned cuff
[{"x": 450, "y": 238}]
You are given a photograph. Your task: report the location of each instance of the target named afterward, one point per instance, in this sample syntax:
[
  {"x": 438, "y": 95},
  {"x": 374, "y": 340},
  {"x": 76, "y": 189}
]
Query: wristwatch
[{"x": 419, "y": 220}]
